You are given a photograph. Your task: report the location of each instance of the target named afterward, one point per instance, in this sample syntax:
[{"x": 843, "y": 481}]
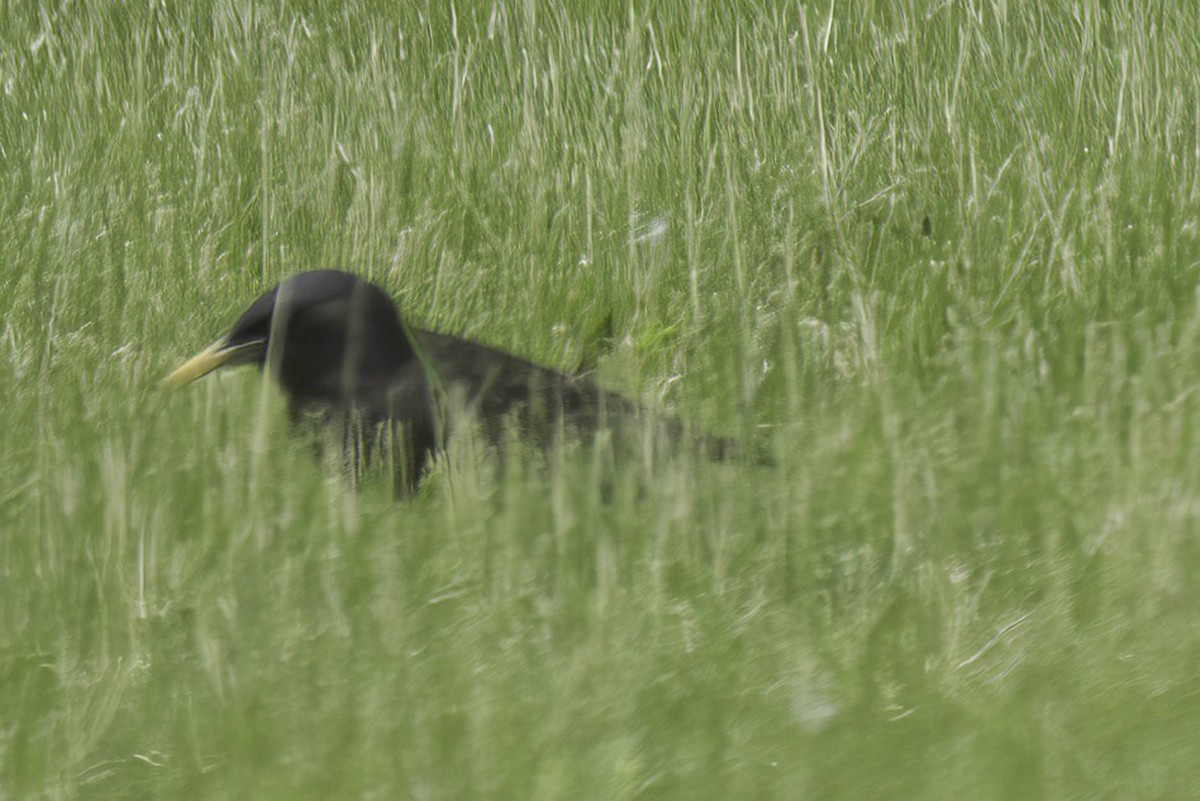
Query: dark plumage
[{"x": 341, "y": 353}]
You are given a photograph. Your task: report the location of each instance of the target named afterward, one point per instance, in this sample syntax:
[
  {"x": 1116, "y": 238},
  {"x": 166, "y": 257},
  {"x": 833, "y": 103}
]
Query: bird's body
[{"x": 340, "y": 351}]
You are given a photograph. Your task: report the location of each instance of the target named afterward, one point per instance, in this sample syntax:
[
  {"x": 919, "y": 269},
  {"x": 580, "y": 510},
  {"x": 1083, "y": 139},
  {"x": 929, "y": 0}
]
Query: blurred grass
[{"x": 971, "y": 574}]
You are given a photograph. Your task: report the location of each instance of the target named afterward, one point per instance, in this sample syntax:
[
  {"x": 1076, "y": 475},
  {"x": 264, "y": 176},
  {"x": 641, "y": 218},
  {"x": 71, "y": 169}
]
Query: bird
[{"x": 342, "y": 354}]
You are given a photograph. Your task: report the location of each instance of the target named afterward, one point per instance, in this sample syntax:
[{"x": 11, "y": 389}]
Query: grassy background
[{"x": 943, "y": 257}]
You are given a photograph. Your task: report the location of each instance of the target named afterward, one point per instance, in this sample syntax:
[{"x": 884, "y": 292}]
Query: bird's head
[{"x": 325, "y": 335}]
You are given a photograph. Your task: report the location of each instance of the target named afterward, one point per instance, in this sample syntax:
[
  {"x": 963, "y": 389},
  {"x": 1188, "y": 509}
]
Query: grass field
[{"x": 941, "y": 258}]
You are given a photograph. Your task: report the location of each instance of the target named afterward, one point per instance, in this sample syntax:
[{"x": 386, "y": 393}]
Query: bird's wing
[
  {"x": 491, "y": 383},
  {"x": 494, "y": 382}
]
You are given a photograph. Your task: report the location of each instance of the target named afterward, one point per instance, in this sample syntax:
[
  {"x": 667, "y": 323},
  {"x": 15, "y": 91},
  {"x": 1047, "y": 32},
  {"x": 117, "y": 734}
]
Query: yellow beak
[{"x": 204, "y": 362}]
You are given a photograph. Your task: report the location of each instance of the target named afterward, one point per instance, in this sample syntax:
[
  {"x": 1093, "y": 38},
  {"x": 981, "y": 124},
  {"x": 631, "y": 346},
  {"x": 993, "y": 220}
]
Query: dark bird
[{"x": 338, "y": 348}]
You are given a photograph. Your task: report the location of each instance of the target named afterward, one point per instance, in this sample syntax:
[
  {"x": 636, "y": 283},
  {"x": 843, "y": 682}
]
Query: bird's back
[{"x": 492, "y": 384}]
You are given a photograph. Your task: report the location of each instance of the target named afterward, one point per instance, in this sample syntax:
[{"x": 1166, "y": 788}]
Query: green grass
[{"x": 973, "y": 573}]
